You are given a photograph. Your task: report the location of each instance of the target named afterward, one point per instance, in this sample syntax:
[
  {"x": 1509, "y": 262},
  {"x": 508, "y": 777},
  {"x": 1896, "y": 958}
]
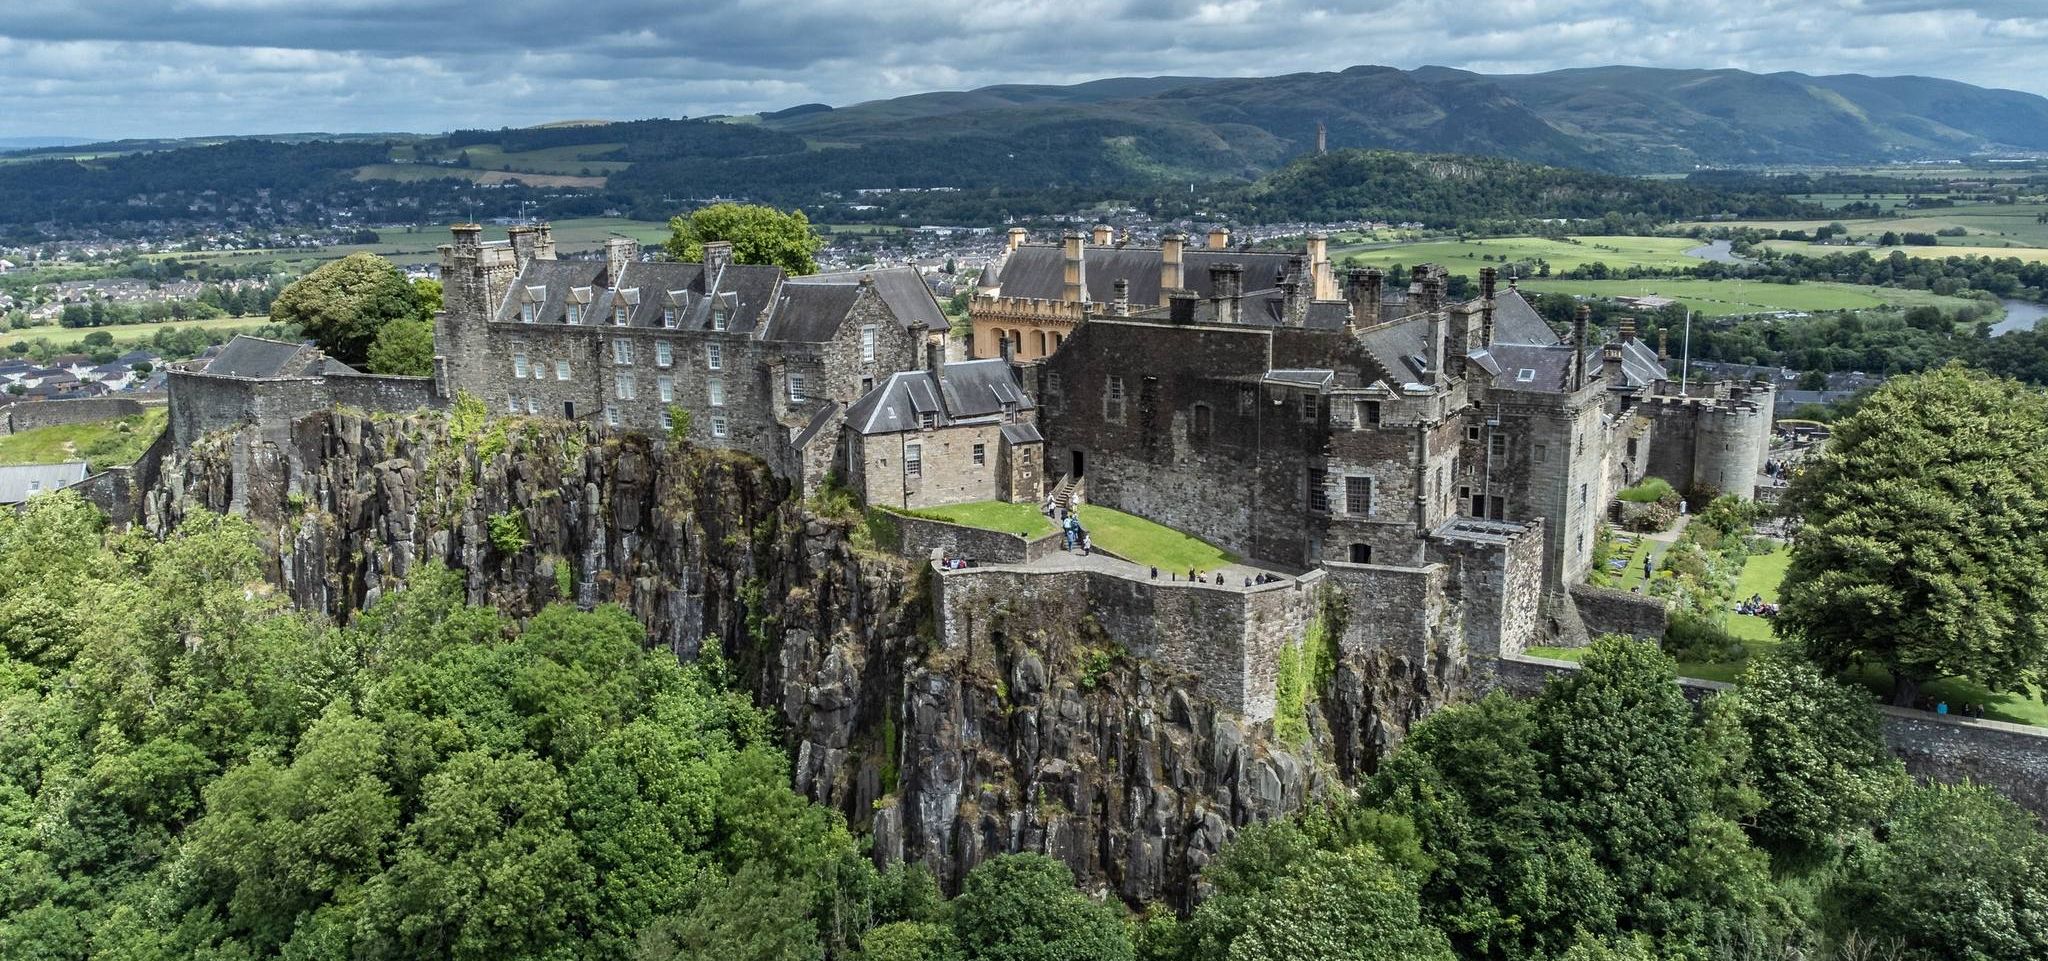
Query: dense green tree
[
  {"x": 403, "y": 347},
  {"x": 1281, "y": 891},
  {"x": 342, "y": 305},
  {"x": 1925, "y": 543},
  {"x": 910, "y": 941},
  {"x": 1023, "y": 907},
  {"x": 1955, "y": 873},
  {"x": 1812, "y": 753},
  {"x": 759, "y": 235}
]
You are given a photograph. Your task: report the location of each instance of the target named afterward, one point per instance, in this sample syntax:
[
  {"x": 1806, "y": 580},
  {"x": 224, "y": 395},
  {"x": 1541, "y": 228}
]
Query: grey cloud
[{"x": 129, "y": 68}]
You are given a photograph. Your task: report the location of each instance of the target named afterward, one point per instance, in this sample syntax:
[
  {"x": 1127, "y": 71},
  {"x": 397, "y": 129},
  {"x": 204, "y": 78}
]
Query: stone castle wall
[
  {"x": 29, "y": 415},
  {"x": 917, "y": 537},
  {"x": 1608, "y": 611}
]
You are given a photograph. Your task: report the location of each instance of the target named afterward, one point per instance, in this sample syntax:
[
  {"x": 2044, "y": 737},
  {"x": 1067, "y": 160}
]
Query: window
[
  {"x": 623, "y": 386},
  {"x": 1497, "y": 507},
  {"x": 667, "y": 387},
  {"x": 1583, "y": 494},
  {"x": 1318, "y": 494},
  {"x": 668, "y": 317},
  {"x": 1311, "y": 405},
  {"x": 1361, "y": 553},
  {"x": 1113, "y": 400},
  {"x": 1055, "y": 389},
  {"x": 927, "y": 420},
  {"x": 1200, "y": 424},
  {"x": 575, "y": 314},
  {"x": 1358, "y": 495},
  {"x": 796, "y": 387},
  {"x": 668, "y": 422},
  {"x": 714, "y": 356},
  {"x": 664, "y": 354},
  {"x": 1371, "y": 414},
  {"x": 980, "y": 454},
  {"x": 714, "y": 390},
  {"x": 718, "y": 317},
  {"x": 561, "y": 370},
  {"x": 619, "y": 316},
  {"x": 913, "y": 459},
  {"x": 36, "y": 485},
  {"x": 1247, "y": 398},
  {"x": 866, "y": 384},
  {"x": 622, "y": 351},
  {"x": 1539, "y": 453},
  {"x": 511, "y": 404},
  {"x": 718, "y": 426},
  {"x": 528, "y": 312},
  {"x": 1471, "y": 431},
  {"x": 519, "y": 366},
  {"x": 533, "y": 405},
  {"x": 1497, "y": 445},
  {"x": 611, "y": 414},
  {"x": 867, "y": 344},
  {"x": 1524, "y": 376}
]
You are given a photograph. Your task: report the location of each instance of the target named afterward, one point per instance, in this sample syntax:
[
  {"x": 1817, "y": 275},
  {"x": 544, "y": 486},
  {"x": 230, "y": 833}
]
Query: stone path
[{"x": 1234, "y": 575}]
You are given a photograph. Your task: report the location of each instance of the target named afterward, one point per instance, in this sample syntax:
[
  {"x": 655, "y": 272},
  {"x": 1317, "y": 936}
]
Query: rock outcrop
[{"x": 1049, "y": 742}]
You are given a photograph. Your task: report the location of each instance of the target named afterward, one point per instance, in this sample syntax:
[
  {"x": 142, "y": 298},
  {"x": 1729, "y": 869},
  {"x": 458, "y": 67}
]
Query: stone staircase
[{"x": 1069, "y": 491}]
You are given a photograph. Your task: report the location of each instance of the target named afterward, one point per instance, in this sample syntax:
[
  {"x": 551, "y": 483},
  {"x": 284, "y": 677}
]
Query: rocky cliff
[{"x": 1050, "y": 741}]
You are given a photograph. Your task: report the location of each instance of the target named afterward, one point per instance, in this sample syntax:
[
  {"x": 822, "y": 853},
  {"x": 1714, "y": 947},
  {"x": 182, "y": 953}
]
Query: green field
[
  {"x": 101, "y": 443},
  {"x": 129, "y": 334},
  {"x": 573, "y": 160},
  {"x": 1467, "y": 256},
  {"x": 1988, "y": 225},
  {"x": 1726, "y": 298},
  {"x": 2029, "y": 254},
  {"x": 1126, "y": 535}
]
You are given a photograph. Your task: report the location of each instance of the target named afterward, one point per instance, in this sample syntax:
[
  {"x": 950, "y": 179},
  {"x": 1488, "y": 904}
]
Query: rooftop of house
[
  {"x": 1040, "y": 271},
  {"x": 963, "y": 392},
  {"x": 740, "y": 298},
  {"x": 260, "y": 357},
  {"x": 19, "y": 482}
]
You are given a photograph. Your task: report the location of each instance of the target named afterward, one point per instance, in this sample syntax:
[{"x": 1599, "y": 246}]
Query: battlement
[{"x": 1028, "y": 309}]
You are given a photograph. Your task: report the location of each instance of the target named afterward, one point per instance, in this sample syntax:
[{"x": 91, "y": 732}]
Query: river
[
  {"x": 2019, "y": 315},
  {"x": 1718, "y": 251}
]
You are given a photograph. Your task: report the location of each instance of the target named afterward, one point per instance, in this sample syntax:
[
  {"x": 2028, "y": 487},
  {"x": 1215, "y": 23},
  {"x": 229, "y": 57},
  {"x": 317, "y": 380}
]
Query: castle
[{"x": 1376, "y": 431}]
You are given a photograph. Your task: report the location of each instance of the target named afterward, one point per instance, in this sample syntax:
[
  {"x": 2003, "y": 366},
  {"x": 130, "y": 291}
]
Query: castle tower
[{"x": 1322, "y": 139}]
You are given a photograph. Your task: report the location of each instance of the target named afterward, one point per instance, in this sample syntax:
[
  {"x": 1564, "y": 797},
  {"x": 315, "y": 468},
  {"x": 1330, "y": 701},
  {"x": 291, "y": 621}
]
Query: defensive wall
[
  {"x": 1226, "y": 637},
  {"x": 2009, "y": 758},
  {"x": 917, "y": 537},
  {"x": 1718, "y": 442},
  {"x": 1605, "y": 610},
  {"x": 203, "y": 403},
  {"x": 31, "y": 414}
]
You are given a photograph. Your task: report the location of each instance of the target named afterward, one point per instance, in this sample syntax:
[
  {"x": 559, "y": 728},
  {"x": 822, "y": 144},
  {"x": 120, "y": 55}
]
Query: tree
[
  {"x": 1023, "y": 907},
  {"x": 1925, "y": 544},
  {"x": 1812, "y": 753},
  {"x": 759, "y": 235},
  {"x": 1281, "y": 890},
  {"x": 342, "y": 305},
  {"x": 404, "y": 346}
]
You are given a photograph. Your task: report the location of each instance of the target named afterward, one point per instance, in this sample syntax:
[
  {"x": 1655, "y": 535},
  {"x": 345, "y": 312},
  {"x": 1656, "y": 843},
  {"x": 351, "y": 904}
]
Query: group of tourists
[{"x": 1756, "y": 606}]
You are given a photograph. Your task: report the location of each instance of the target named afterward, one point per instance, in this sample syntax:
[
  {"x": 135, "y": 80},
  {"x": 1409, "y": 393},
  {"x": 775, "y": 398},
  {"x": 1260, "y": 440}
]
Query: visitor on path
[
  {"x": 1087, "y": 543},
  {"x": 1646, "y": 567},
  {"x": 1052, "y": 504},
  {"x": 1941, "y": 708},
  {"x": 1683, "y": 508}
]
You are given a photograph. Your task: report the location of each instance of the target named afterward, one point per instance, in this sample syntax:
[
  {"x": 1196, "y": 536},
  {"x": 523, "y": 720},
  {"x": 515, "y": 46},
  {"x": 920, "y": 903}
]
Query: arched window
[{"x": 1044, "y": 345}]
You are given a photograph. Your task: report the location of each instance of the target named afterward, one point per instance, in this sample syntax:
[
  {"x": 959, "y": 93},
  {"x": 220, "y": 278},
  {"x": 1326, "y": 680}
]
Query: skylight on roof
[{"x": 1525, "y": 375}]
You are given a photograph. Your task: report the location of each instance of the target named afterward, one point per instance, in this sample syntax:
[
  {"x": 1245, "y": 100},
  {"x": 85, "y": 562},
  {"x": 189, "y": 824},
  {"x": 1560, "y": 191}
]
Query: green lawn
[
  {"x": 102, "y": 443},
  {"x": 1125, "y": 535},
  {"x": 1720, "y": 298},
  {"x": 1568, "y": 254}
]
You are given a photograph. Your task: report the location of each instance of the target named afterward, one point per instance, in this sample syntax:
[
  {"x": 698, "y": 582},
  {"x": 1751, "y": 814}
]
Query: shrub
[
  {"x": 1650, "y": 490},
  {"x": 509, "y": 533},
  {"x": 1700, "y": 638}
]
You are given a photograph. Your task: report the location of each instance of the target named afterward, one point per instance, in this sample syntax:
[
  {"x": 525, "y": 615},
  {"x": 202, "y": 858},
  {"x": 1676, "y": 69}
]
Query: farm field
[
  {"x": 2029, "y": 254},
  {"x": 409, "y": 173},
  {"x": 128, "y": 334},
  {"x": 1724, "y": 298},
  {"x": 1467, "y": 256},
  {"x": 1989, "y": 225},
  {"x": 577, "y": 160}
]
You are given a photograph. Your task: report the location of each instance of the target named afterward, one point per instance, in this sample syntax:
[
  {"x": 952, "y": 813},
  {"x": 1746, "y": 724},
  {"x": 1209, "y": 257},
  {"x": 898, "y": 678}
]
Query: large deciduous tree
[
  {"x": 1925, "y": 545},
  {"x": 342, "y": 305},
  {"x": 759, "y": 235}
]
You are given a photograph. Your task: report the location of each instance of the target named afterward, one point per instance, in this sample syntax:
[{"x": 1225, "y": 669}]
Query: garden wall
[{"x": 1606, "y": 610}]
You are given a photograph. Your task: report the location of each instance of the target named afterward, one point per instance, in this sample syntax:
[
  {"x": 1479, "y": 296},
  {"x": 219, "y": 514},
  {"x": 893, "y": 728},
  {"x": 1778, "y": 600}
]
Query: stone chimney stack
[
  {"x": 935, "y": 358},
  {"x": 1016, "y": 240},
  {"x": 467, "y": 236},
  {"x": 1121, "y": 306},
  {"x": 620, "y": 251},
  {"x": 1074, "y": 245},
  {"x": 1426, "y": 289},
  {"x": 1219, "y": 238},
  {"x": 1102, "y": 235},
  {"x": 1227, "y": 281},
  {"x": 717, "y": 257},
  {"x": 1180, "y": 306},
  {"x": 523, "y": 242},
  {"x": 1297, "y": 289},
  {"x": 1664, "y": 344},
  {"x": 543, "y": 241},
  {"x": 1364, "y": 286},
  {"x": 1578, "y": 365},
  {"x": 1628, "y": 329},
  {"x": 1488, "y": 278},
  {"x": 1172, "y": 247},
  {"x": 1319, "y": 265}
]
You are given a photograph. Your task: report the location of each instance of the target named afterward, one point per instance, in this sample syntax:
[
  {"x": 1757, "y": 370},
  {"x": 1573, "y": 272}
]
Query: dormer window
[
  {"x": 718, "y": 318},
  {"x": 619, "y": 316},
  {"x": 529, "y": 312},
  {"x": 623, "y": 302},
  {"x": 928, "y": 420},
  {"x": 668, "y": 317},
  {"x": 578, "y": 300},
  {"x": 677, "y": 305},
  {"x": 575, "y": 313},
  {"x": 1525, "y": 375}
]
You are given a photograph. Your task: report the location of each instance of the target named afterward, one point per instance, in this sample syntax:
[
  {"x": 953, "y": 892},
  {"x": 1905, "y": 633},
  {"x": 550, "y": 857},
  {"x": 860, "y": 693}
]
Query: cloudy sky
[{"x": 125, "y": 68}]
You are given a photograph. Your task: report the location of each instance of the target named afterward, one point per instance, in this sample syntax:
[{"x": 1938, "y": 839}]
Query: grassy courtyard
[
  {"x": 1125, "y": 535},
  {"x": 101, "y": 443}
]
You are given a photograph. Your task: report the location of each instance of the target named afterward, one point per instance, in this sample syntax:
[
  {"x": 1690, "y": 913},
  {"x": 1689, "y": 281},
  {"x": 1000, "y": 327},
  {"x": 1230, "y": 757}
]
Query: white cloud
[{"x": 105, "y": 68}]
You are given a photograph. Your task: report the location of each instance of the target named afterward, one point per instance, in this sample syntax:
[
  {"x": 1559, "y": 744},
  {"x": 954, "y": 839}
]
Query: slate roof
[
  {"x": 1515, "y": 321},
  {"x": 965, "y": 392},
  {"x": 1016, "y": 434},
  {"x": 1546, "y": 366},
  {"x": 1040, "y": 271},
  {"x": 753, "y": 299},
  {"x": 811, "y": 308},
  {"x": 247, "y": 356},
  {"x": 22, "y": 481}
]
